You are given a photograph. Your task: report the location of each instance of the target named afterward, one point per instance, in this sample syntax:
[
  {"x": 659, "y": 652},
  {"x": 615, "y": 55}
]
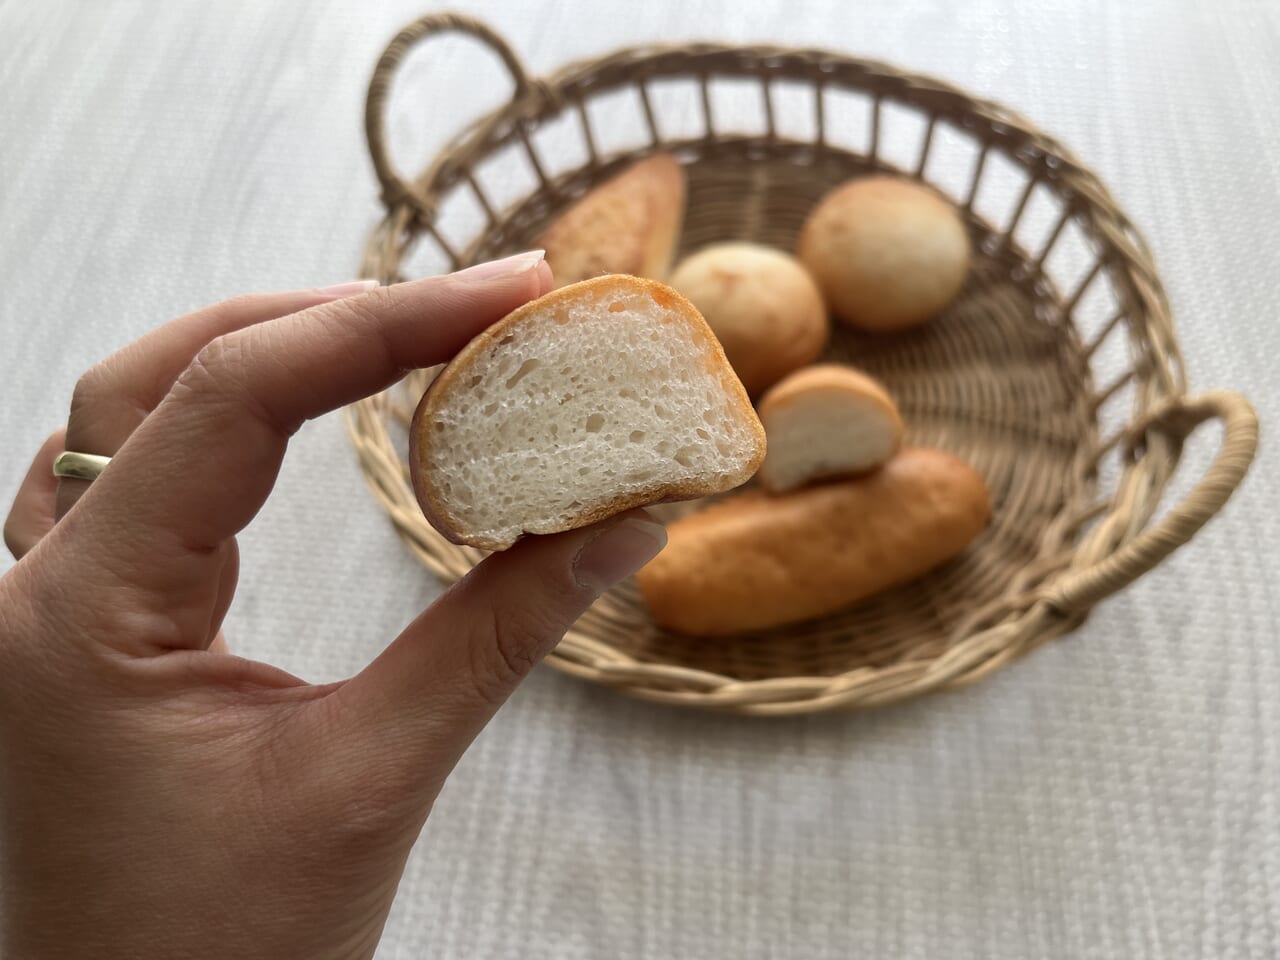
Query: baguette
[
  {"x": 629, "y": 224},
  {"x": 826, "y": 421},
  {"x": 593, "y": 399},
  {"x": 756, "y": 561},
  {"x": 765, "y": 309}
]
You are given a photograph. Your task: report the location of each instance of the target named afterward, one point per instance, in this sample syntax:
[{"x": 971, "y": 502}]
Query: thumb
[{"x": 435, "y": 687}]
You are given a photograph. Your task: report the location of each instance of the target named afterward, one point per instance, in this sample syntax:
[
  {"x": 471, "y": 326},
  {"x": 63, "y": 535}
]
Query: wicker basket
[{"x": 1056, "y": 373}]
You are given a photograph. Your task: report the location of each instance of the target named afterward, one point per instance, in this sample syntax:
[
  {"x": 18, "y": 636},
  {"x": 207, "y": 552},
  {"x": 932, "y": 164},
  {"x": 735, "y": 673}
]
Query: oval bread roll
[
  {"x": 826, "y": 421},
  {"x": 593, "y": 399},
  {"x": 887, "y": 253},
  {"x": 763, "y": 306},
  {"x": 756, "y": 561},
  {"x": 629, "y": 224}
]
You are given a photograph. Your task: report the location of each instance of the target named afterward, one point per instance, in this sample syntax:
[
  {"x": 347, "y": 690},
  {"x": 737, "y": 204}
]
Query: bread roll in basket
[{"x": 1055, "y": 373}]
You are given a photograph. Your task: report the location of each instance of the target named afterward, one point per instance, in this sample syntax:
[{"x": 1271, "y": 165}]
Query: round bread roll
[
  {"x": 765, "y": 309},
  {"x": 826, "y": 421},
  {"x": 887, "y": 253}
]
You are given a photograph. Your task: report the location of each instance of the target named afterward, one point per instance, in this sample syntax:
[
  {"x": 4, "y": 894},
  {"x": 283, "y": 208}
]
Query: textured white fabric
[{"x": 1113, "y": 795}]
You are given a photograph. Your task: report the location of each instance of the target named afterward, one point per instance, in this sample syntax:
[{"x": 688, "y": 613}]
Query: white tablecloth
[{"x": 1115, "y": 794}]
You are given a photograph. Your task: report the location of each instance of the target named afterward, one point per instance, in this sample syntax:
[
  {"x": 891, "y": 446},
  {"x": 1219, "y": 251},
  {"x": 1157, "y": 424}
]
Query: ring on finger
[{"x": 79, "y": 466}]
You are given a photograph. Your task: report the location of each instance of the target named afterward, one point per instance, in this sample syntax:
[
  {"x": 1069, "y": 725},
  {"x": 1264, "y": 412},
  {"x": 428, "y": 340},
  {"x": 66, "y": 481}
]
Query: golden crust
[
  {"x": 837, "y": 384},
  {"x": 757, "y": 561},
  {"x": 766, "y": 310},
  {"x": 629, "y": 224},
  {"x": 829, "y": 377},
  {"x": 888, "y": 253},
  {"x": 434, "y": 505}
]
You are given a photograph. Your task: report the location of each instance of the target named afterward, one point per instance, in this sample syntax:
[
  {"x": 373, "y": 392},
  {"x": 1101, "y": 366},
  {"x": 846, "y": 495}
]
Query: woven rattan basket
[{"x": 1056, "y": 373}]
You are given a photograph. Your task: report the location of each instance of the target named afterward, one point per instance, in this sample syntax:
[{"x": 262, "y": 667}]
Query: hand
[{"x": 159, "y": 798}]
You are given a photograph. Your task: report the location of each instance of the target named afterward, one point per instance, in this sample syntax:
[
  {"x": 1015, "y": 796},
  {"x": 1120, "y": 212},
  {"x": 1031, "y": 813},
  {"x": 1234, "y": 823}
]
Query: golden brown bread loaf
[
  {"x": 757, "y": 561},
  {"x": 825, "y": 421},
  {"x": 887, "y": 253},
  {"x": 763, "y": 306},
  {"x": 629, "y": 224}
]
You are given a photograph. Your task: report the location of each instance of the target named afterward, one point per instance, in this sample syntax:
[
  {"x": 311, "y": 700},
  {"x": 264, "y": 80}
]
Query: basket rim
[
  {"x": 1057, "y": 605},
  {"x": 537, "y": 98}
]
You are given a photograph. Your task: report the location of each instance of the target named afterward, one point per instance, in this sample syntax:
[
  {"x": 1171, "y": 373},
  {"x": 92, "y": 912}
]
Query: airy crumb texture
[
  {"x": 602, "y": 396},
  {"x": 826, "y": 421}
]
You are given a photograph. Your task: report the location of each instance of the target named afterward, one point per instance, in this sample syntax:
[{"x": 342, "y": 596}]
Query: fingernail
[
  {"x": 348, "y": 289},
  {"x": 506, "y": 267},
  {"x": 618, "y": 552}
]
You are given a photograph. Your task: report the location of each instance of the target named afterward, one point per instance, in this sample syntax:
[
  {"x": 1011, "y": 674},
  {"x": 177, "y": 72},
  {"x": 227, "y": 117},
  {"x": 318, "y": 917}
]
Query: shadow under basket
[{"x": 1056, "y": 373}]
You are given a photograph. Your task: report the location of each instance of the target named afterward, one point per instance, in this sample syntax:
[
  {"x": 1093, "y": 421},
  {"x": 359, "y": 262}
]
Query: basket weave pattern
[{"x": 1077, "y": 451}]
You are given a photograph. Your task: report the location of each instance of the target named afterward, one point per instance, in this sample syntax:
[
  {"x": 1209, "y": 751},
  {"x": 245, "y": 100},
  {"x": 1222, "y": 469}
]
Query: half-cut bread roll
[
  {"x": 593, "y": 399},
  {"x": 826, "y": 421},
  {"x": 629, "y": 224}
]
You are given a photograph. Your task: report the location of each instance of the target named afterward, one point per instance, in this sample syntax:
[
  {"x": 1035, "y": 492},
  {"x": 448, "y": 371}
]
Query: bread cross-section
[{"x": 605, "y": 395}]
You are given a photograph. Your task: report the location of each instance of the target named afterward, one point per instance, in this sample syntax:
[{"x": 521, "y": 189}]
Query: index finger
[{"x": 201, "y": 465}]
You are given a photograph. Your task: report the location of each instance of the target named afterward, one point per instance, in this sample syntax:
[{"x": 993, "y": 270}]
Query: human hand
[{"x": 160, "y": 797}]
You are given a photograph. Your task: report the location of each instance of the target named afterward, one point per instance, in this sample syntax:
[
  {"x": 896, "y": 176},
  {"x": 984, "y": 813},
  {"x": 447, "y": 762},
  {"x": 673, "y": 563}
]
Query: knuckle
[
  {"x": 214, "y": 372},
  {"x": 105, "y": 398},
  {"x": 88, "y": 389},
  {"x": 223, "y": 372},
  {"x": 234, "y": 308},
  {"x": 375, "y": 302},
  {"x": 218, "y": 359},
  {"x": 367, "y": 310},
  {"x": 370, "y": 310}
]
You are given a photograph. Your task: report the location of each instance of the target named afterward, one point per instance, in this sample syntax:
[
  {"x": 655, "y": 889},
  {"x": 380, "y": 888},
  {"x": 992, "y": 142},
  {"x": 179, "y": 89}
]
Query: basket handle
[
  {"x": 395, "y": 190},
  {"x": 1178, "y": 419}
]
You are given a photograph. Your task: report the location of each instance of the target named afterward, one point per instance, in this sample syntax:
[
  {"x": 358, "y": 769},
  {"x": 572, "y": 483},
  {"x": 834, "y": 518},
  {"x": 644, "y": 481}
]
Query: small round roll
[
  {"x": 826, "y": 421},
  {"x": 887, "y": 253},
  {"x": 763, "y": 307}
]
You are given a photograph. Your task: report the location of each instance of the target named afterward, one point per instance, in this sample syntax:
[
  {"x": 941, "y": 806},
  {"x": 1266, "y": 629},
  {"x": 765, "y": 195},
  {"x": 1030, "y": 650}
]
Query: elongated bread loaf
[
  {"x": 593, "y": 399},
  {"x": 757, "y": 561},
  {"x": 826, "y": 421},
  {"x": 629, "y": 224}
]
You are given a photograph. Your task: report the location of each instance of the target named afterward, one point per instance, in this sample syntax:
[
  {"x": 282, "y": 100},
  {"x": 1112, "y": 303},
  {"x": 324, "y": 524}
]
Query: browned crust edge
[
  {"x": 829, "y": 378},
  {"x": 806, "y": 241},
  {"x": 659, "y": 181},
  {"x": 422, "y": 476}
]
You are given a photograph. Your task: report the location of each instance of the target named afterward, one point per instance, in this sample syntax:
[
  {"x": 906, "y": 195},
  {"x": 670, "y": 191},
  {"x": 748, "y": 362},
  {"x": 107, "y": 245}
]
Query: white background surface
[{"x": 1115, "y": 794}]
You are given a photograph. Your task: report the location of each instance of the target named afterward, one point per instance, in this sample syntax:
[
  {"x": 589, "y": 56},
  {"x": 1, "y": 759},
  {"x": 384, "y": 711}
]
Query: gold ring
[{"x": 79, "y": 466}]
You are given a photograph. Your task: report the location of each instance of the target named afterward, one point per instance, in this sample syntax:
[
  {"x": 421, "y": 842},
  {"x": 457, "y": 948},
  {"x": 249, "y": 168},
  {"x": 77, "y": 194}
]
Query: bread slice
[
  {"x": 606, "y": 395},
  {"x": 629, "y": 224},
  {"x": 826, "y": 421}
]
